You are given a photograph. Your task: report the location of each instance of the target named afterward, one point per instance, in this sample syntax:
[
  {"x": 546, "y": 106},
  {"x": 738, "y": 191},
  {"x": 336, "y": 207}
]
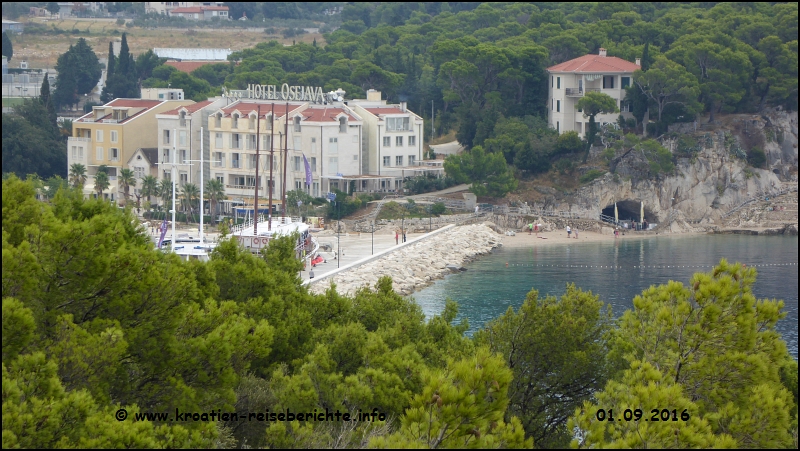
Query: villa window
[
  {"x": 342, "y": 125},
  {"x": 387, "y": 141},
  {"x": 398, "y": 160},
  {"x": 114, "y": 136},
  {"x": 114, "y": 154},
  {"x": 412, "y": 160},
  {"x": 608, "y": 82},
  {"x": 394, "y": 124},
  {"x": 412, "y": 141},
  {"x": 558, "y": 82},
  {"x": 297, "y": 124},
  {"x": 386, "y": 161},
  {"x": 558, "y": 106},
  {"x": 398, "y": 141},
  {"x": 297, "y": 164},
  {"x": 235, "y": 121},
  {"x": 626, "y": 81}
]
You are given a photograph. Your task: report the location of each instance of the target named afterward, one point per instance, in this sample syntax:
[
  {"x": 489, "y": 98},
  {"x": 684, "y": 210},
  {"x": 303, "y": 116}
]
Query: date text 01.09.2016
[{"x": 636, "y": 415}]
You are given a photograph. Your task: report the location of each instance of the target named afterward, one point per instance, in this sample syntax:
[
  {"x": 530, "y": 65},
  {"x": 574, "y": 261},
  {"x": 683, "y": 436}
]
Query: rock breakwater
[{"x": 418, "y": 264}]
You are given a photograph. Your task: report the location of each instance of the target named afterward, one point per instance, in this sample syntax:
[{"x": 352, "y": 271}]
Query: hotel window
[
  {"x": 269, "y": 120},
  {"x": 251, "y": 161},
  {"x": 626, "y": 81},
  {"x": 298, "y": 185},
  {"x": 235, "y": 161},
  {"x": 297, "y": 124},
  {"x": 220, "y": 178},
  {"x": 315, "y": 186},
  {"x": 183, "y": 156},
  {"x": 183, "y": 178},
  {"x": 333, "y": 165},
  {"x": 218, "y": 140},
  {"x": 235, "y": 144},
  {"x": 387, "y": 141},
  {"x": 398, "y": 141},
  {"x": 333, "y": 145},
  {"x": 235, "y": 121},
  {"x": 558, "y": 82},
  {"x": 167, "y": 175},
  {"x": 165, "y": 156},
  {"x": 313, "y": 145},
  {"x": 99, "y": 136},
  {"x": 412, "y": 141},
  {"x": 99, "y": 153},
  {"x": 412, "y": 160},
  {"x": 113, "y": 136},
  {"x": 608, "y": 82},
  {"x": 238, "y": 181},
  {"x": 313, "y": 164},
  {"x": 558, "y": 106},
  {"x": 138, "y": 172},
  {"x": 297, "y": 144},
  {"x": 251, "y": 142},
  {"x": 342, "y": 125},
  {"x": 394, "y": 124},
  {"x": 296, "y": 163},
  {"x": 219, "y": 160},
  {"x": 183, "y": 119},
  {"x": 398, "y": 160},
  {"x": 182, "y": 138},
  {"x": 386, "y": 161},
  {"x": 267, "y": 141},
  {"x": 166, "y": 137},
  {"x": 218, "y": 120},
  {"x": 114, "y": 154},
  {"x": 252, "y": 123}
]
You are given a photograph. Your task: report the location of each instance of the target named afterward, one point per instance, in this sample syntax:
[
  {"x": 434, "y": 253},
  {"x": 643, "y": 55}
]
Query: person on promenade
[
  {"x": 311, "y": 274},
  {"x": 569, "y": 232},
  {"x": 396, "y": 237},
  {"x": 530, "y": 229},
  {"x": 576, "y": 234},
  {"x": 616, "y": 232},
  {"x": 537, "y": 228}
]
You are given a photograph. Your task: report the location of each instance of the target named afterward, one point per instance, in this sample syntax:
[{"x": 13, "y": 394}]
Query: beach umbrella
[
  {"x": 641, "y": 214},
  {"x": 616, "y": 214}
]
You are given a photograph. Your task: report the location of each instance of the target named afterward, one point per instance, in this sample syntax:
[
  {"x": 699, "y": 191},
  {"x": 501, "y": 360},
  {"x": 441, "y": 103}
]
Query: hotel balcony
[{"x": 579, "y": 92}]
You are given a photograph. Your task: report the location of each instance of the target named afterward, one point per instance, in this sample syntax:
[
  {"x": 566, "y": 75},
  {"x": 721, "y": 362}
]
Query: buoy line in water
[{"x": 638, "y": 266}]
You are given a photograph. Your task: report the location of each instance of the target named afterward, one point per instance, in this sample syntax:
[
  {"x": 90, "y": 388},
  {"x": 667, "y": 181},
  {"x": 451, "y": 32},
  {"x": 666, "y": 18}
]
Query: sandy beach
[{"x": 522, "y": 239}]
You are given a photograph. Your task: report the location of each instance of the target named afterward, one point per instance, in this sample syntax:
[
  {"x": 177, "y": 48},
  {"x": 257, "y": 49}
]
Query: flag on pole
[
  {"x": 308, "y": 170},
  {"x": 163, "y": 233}
]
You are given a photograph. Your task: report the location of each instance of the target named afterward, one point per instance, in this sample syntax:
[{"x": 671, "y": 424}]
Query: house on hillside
[{"x": 571, "y": 80}]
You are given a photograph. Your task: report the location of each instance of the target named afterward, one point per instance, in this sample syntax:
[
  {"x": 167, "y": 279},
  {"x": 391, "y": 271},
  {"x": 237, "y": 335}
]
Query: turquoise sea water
[{"x": 617, "y": 271}]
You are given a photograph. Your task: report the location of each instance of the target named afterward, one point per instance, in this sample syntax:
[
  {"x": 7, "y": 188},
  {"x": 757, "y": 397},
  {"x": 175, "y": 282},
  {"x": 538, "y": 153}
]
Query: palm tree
[
  {"x": 101, "y": 183},
  {"x": 77, "y": 175},
  {"x": 127, "y": 179},
  {"x": 165, "y": 191},
  {"x": 149, "y": 187},
  {"x": 190, "y": 195},
  {"x": 215, "y": 192}
]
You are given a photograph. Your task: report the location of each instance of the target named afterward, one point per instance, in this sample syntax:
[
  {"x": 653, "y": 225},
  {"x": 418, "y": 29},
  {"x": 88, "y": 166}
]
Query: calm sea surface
[{"x": 617, "y": 271}]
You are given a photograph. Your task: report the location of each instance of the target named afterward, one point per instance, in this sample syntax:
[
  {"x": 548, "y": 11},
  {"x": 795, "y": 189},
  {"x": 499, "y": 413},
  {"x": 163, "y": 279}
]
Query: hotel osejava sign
[{"x": 271, "y": 92}]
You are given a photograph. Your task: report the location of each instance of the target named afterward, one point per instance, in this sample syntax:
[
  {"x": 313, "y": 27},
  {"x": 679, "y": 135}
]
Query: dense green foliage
[
  {"x": 78, "y": 73},
  {"x": 95, "y": 319},
  {"x": 488, "y": 172},
  {"x": 32, "y": 143},
  {"x": 710, "y": 348}
]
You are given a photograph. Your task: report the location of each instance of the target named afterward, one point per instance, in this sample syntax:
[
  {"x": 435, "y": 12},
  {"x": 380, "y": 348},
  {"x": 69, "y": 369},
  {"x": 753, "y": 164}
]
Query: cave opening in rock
[{"x": 630, "y": 210}]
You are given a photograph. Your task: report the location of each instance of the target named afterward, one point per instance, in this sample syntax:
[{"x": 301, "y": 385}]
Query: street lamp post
[
  {"x": 338, "y": 230},
  {"x": 373, "y": 237}
]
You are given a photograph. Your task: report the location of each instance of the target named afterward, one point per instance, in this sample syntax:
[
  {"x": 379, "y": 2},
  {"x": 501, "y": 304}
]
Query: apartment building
[
  {"x": 392, "y": 141},
  {"x": 571, "y": 80},
  {"x": 180, "y": 141},
  {"x": 168, "y": 7},
  {"x": 200, "y": 12},
  {"x": 110, "y": 135},
  {"x": 328, "y": 136}
]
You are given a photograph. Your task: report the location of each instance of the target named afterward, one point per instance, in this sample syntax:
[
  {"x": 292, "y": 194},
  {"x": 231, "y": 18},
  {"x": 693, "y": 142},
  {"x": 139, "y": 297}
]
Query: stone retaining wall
[{"x": 418, "y": 264}]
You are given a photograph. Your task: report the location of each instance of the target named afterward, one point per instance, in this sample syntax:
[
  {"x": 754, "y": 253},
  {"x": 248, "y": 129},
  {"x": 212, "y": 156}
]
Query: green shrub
[
  {"x": 120, "y": 21},
  {"x": 564, "y": 166},
  {"x": 591, "y": 175},
  {"x": 438, "y": 208},
  {"x": 757, "y": 158}
]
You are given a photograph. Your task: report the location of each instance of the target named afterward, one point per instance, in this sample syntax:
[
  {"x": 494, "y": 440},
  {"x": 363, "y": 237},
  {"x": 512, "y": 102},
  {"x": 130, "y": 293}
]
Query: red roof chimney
[{"x": 602, "y": 51}]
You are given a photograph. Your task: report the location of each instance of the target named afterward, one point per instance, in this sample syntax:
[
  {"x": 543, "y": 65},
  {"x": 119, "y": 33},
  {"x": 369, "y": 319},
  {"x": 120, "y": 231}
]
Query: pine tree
[
  {"x": 8, "y": 48},
  {"x": 108, "y": 91},
  {"x": 124, "y": 81},
  {"x": 47, "y": 101}
]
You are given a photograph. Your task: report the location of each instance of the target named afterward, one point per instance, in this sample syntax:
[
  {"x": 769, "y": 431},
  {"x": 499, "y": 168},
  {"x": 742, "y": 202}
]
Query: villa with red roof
[{"x": 571, "y": 80}]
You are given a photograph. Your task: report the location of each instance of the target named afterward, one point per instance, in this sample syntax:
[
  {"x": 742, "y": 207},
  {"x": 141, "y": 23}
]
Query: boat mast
[
  {"x": 271, "y": 159},
  {"x": 286, "y": 157},
  {"x": 255, "y": 199},
  {"x": 201, "y": 186}
]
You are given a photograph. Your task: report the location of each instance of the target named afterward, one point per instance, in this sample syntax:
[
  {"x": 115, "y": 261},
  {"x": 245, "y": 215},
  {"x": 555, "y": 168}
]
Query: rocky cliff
[{"x": 711, "y": 182}]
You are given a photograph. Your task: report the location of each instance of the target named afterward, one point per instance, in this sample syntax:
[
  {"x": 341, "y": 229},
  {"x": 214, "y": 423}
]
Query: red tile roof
[
  {"x": 190, "y": 66},
  {"x": 325, "y": 114},
  {"x": 189, "y": 108},
  {"x": 595, "y": 64},
  {"x": 266, "y": 108},
  {"x": 385, "y": 110}
]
